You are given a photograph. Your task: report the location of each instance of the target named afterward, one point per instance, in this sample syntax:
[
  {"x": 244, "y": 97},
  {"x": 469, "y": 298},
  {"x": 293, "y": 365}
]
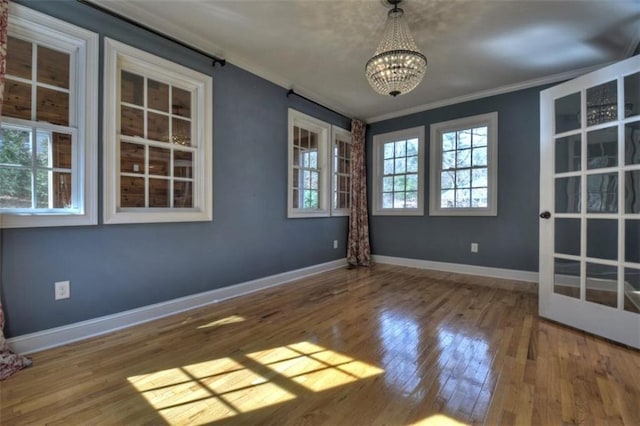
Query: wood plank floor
[{"x": 383, "y": 345}]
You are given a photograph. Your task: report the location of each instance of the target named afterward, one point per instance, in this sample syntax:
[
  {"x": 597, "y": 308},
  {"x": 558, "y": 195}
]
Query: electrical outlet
[
  {"x": 335, "y": 244},
  {"x": 474, "y": 247},
  {"x": 63, "y": 290}
]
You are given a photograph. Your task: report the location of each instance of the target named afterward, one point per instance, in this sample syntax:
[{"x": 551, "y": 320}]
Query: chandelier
[{"x": 397, "y": 66}]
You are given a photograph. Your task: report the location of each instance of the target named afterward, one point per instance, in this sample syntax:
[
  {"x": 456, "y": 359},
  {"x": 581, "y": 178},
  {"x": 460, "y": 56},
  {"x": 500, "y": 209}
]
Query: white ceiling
[{"x": 473, "y": 47}]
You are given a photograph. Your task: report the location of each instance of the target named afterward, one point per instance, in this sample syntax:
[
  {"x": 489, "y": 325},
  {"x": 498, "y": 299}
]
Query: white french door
[{"x": 590, "y": 202}]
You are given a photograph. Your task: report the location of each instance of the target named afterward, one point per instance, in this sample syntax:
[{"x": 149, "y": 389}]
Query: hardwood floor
[{"x": 384, "y": 345}]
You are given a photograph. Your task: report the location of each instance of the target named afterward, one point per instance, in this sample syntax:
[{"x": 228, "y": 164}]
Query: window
[
  {"x": 157, "y": 139},
  {"x": 398, "y": 172},
  {"x": 341, "y": 172},
  {"x": 319, "y": 172},
  {"x": 464, "y": 165},
  {"x": 48, "y": 137}
]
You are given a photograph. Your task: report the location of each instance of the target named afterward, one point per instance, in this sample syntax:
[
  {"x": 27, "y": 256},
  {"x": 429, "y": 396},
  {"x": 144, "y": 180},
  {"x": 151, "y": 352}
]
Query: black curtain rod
[
  {"x": 215, "y": 59},
  {"x": 293, "y": 92}
]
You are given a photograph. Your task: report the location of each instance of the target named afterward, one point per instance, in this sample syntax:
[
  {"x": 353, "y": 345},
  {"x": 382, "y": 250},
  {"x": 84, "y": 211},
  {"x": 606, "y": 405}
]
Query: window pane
[
  {"x": 412, "y": 147},
  {"x": 344, "y": 201},
  {"x": 479, "y": 178},
  {"x": 463, "y": 198},
  {"x": 310, "y": 200},
  {"x": 387, "y": 200},
  {"x": 602, "y": 193},
  {"x": 568, "y": 195},
  {"x": 464, "y": 139},
  {"x": 387, "y": 184},
  {"x": 19, "y": 58},
  {"x": 447, "y": 180},
  {"x": 632, "y": 95},
  {"x": 399, "y": 183},
  {"x": 389, "y": 150},
  {"x": 479, "y": 136},
  {"x": 632, "y": 143},
  {"x": 479, "y": 197},
  {"x": 157, "y": 95},
  {"x": 61, "y": 190},
  {"x": 412, "y": 182},
  {"x": 602, "y": 148},
  {"x": 400, "y": 165},
  {"x": 568, "y": 154},
  {"x": 132, "y": 88},
  {"x": 567, "y": 111},
  {"x": 157, "y": 127},
  {"x": 15, "y": 187},
  {"x": 567, "y": 236},
  {"x": 131, "y": 158},
  {"x": 411, "y": 200},
  {"x": 602, "y": 284},
  {"x": 632, "y": 283},
  {"x": 480, "y": 156},
  {"x": 566, "y": 278},
  {"x": 181, "y": 102},
  {"x": 448, "y": 160},
  {"x": 17, "y": 100},
  {"x": 412, "y": 164},
  {"x": 131, "y": 121},
  {"x": 53, "y": 106},
  {"x": 463, "y": 159},
  {"x": 183, "y": 164},
  {"x": 296, "y": 198},
  {"x": 62, "y": 150},
  {"x": 601, "y": 241},
  {"x": 632, "y": 240},
  {"x": 398, "y": 200},
  {"x": 463, "y": 178},
  {"x": 53, "y": 67},
  {"x": 43, "y": 147},
  {"x": 159, "y": 192},
  {"x": 401, "y": 148},
  {"x": 602, "y": 103},
  {"x": 447, "y": 199},
  {"x": 43, "y": 180},
  {"x": 632, "y": 192},
  {"x": 15, "y": 147},
  {"x": 159, "y": 161},
  {"x": 449, "y": 141},
  {"x": 388, "y": 166},
  {"x": 182, "y": 194}
]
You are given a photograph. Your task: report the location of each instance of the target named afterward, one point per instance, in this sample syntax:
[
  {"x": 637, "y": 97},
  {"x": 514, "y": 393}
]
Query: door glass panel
[
  {"x": 602, "y": 284},
  {"x": 602, "y": 194},
  {"x": 632, "y": 241},
  {"x": 602, "y": 103},
  {"x": 632, "y": 192},
  {"x": 566, "y": 277},
  {"x": 568, "y": 154},
  {"x": 567, "y": 110},
  {"x": 568, "y": 195},
  {"x": 602, "y": 241},
  {"x": 632, "y": 143},
  {"x": 602, "y": 148},
  {"x": 567, "y": 236},
  {"x": 632, "y": 290},
  {"x": 632, "y": 95}
]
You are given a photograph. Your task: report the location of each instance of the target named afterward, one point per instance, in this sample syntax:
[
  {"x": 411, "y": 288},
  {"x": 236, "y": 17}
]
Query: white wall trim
[
  {"x": 46, "y": 339},
  {"x": 485, "y": 271}
]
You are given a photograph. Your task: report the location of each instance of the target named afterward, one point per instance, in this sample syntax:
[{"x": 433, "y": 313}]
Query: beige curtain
[
  {"x": 9, "y": 362},
  {"x": 358, "y": 249}
]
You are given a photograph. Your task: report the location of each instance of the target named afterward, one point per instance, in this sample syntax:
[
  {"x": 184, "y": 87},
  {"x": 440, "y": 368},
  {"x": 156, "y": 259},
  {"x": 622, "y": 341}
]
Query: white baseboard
[
  {"x": 59, "y": 336},
  {"x": 508, "y": 274}
]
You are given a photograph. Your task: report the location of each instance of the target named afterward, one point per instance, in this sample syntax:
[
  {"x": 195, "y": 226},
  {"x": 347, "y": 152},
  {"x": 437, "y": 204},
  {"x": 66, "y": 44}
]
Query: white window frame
[
  {"x": 489, "y": 120},
  {"x": 119, "y": 56},
  {"x": 323, "y": 129},
  {"x": 341, "y": 134},
  {"x": 378, "y": 171},
  {"x": 83, "y": 47}
]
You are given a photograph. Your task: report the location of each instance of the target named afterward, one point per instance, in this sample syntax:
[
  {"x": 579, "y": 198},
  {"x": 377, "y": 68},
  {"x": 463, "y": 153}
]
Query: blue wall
[
  {"x": 509, "y": 240},
  {"x": 119, "y": 267}
]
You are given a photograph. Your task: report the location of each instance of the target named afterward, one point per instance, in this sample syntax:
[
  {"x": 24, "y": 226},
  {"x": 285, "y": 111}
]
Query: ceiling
[{"x": 474, "y": 47}]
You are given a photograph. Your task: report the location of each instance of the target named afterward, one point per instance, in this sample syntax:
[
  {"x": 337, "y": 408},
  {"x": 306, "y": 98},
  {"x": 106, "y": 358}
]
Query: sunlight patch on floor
[
  {"x": 226, "y": 387},
  {"x": 439, "y": 420},
  {"x": 228, "y": 320}
]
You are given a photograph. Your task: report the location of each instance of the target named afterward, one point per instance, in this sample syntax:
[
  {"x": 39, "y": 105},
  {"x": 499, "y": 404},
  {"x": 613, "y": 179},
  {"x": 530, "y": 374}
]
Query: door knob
[{"x": 545, "y": 215}]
